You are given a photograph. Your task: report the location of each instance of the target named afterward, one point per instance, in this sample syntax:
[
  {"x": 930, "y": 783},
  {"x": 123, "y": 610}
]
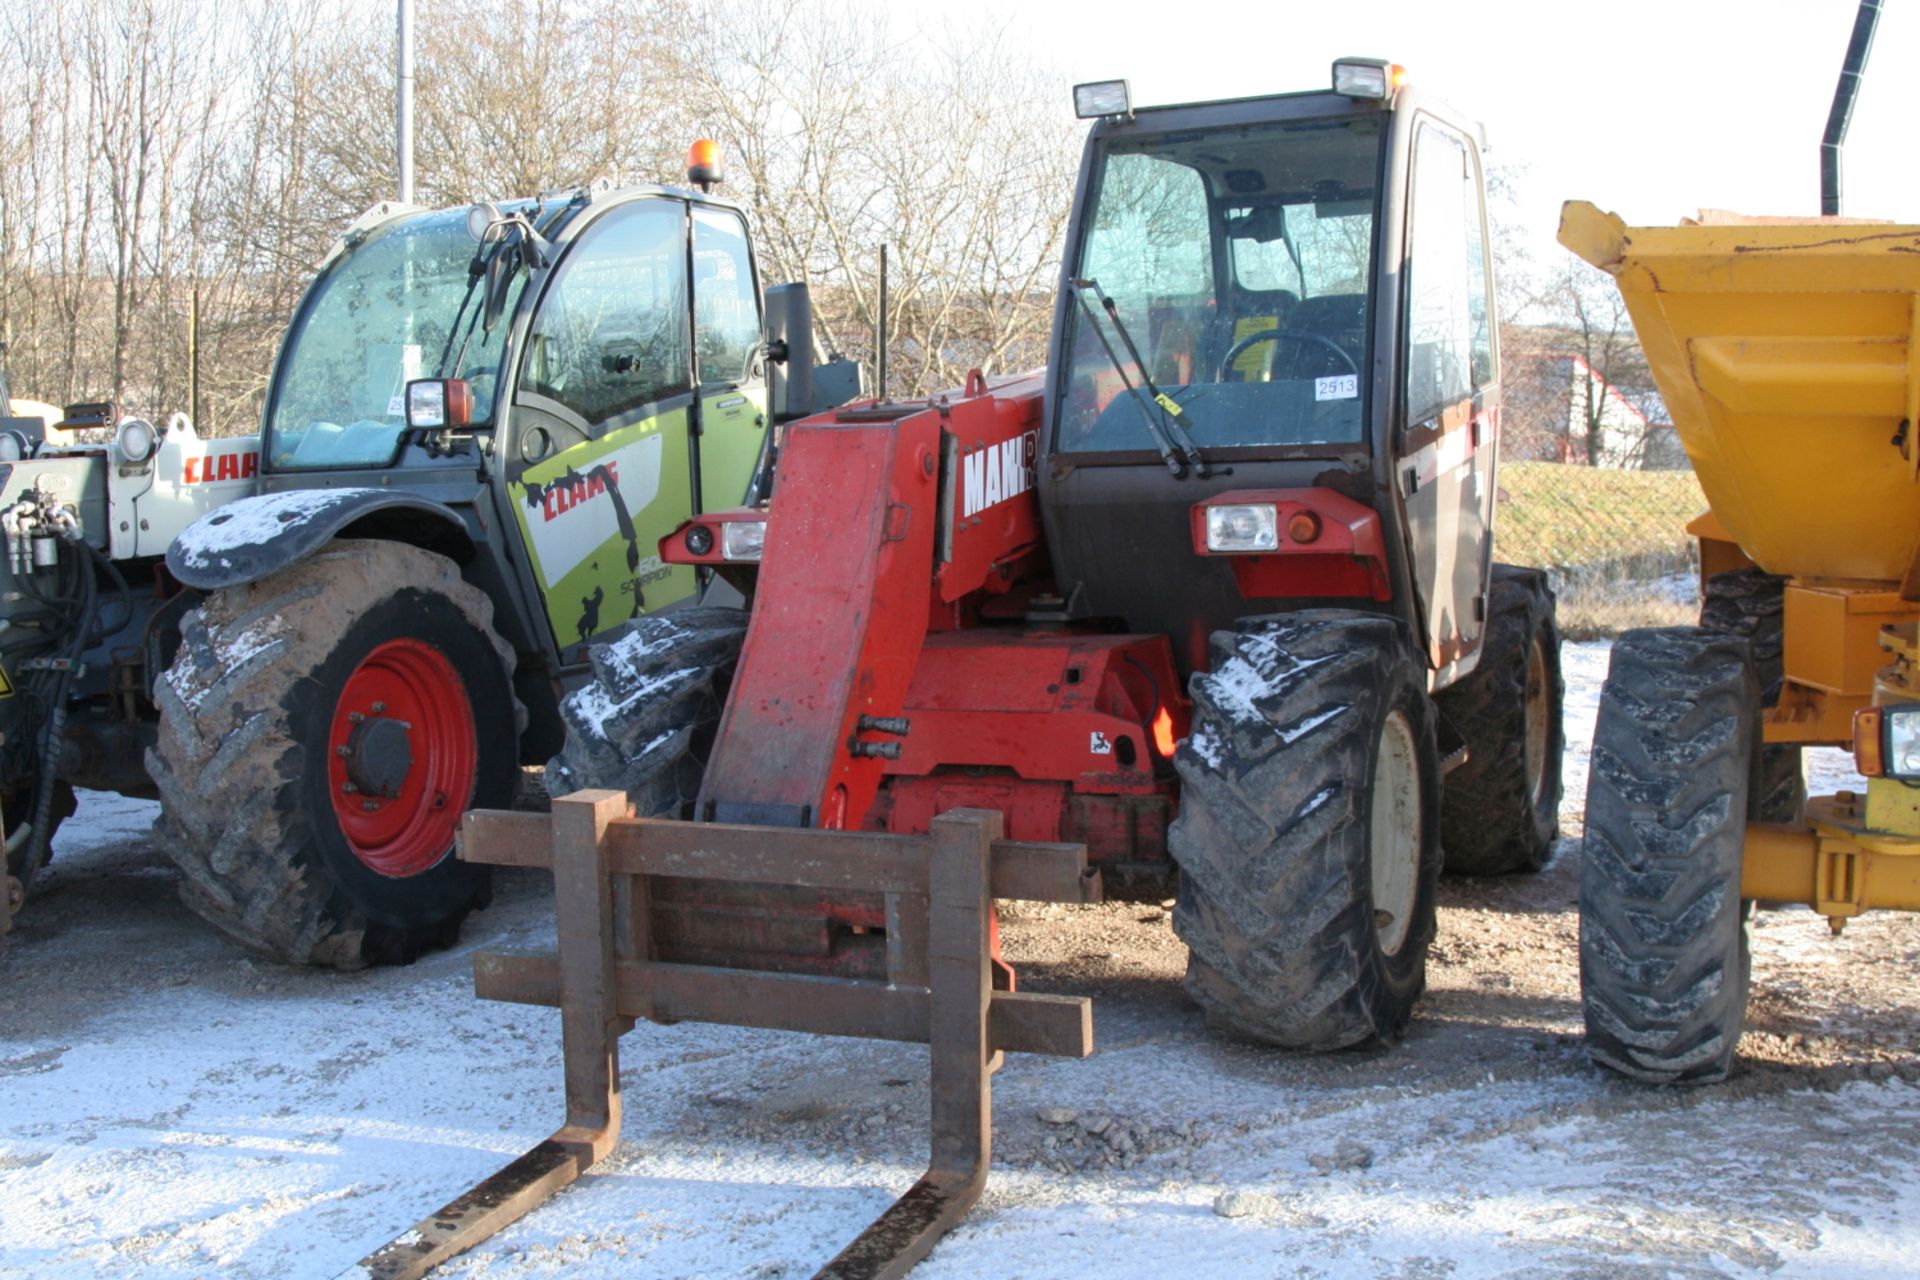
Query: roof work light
[
  {"x": 1102, "y": 98},
  {"x": 1367, "y": 77}
]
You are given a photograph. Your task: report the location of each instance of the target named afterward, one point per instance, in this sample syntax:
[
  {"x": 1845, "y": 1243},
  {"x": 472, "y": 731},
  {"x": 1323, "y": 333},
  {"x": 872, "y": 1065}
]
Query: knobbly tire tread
[
  {"x": 1272, "y": 841},
  {"x": 1663, "y": 936},
  {"x": 1489, "y": 823},
  {"x": 233, "y": 773},
  {"x": 1751, "y": 603},
  {"x": 644, "y": 723}
]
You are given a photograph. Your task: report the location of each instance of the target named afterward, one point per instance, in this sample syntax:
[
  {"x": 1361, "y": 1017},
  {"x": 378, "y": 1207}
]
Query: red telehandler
[{"x": 1215, "y": 591}]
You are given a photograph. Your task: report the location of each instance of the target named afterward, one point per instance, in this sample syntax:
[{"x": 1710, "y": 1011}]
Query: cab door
[
  {"x": 604, "y": 404},
  {"x": 731, "y": 418},
  {"x": 1451, "y": 395}
]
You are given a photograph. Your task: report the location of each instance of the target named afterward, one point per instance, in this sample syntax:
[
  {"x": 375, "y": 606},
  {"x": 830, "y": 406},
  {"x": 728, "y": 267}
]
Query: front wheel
[
  {"x": 321, "y": 732},
  {"x": 1308, "y": 835},
  {"x": 1663, "y": 931}
]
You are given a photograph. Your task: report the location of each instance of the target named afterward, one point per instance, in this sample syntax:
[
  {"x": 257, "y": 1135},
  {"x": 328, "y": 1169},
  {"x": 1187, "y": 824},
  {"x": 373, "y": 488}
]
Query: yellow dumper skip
[{"x": 1788, "y": 352}]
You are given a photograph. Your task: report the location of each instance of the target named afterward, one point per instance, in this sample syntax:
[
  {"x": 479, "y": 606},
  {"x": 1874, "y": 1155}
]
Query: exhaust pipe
[{"x": 1842, "y": 113}]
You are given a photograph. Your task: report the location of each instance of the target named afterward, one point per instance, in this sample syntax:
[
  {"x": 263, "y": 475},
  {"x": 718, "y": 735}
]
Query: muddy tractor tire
[
  {"x": 1663, "y": 931},
  {"x": 321, "y": 732},
  {"x": 1308, "y": 834},
  {"x": 645, "y": 723},
  {"x": 1500, "y": 810},
  {"x": 1751, "y": 603}
]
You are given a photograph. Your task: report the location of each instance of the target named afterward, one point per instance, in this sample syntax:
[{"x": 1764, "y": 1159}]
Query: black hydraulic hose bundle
[{"x": 81, "y": 618}]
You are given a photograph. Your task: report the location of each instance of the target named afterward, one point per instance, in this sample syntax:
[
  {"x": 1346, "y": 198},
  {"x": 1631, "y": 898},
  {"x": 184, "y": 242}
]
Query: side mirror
[
  {"x": 789, "y": 332},
  {"x": 437, "y": 403}
]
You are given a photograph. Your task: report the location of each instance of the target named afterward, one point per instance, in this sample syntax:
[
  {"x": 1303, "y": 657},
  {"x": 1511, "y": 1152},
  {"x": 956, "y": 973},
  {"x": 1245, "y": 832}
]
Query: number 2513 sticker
[{"x": 1342, "y": 386}]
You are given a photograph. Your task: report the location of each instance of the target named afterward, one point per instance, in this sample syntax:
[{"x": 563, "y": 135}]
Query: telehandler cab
[
  {"x": 1213, "y": 592},
  {"x": 480, "y": 423}
]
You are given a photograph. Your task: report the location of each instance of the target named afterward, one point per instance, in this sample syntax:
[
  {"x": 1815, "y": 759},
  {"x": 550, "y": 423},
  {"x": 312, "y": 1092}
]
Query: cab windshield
[
  {"x": 1238, "y": 263},
  {"x": 398, "y": 306}
]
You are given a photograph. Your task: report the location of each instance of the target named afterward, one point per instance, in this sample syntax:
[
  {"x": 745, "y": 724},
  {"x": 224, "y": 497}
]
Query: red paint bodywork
[
  {"x": 891, "y": 670},
  {"x": 1346, "y": 559}
]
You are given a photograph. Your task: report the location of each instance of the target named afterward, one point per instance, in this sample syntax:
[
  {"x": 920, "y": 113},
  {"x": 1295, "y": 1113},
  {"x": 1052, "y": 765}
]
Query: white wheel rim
[
  {"x": 1394, "y": 832},
  {"x": 1537, "y": 712}
]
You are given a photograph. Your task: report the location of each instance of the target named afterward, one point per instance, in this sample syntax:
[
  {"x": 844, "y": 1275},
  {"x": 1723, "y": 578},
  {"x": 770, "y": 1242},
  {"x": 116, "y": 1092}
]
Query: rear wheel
[
  {"x": 322, "y": 730},
  {"x": 644, "y": 724},
  {"x": 1500, "y": 810},
  {"x": 1308, "y": 835},
  {"x": 1663, "y": 932},
  {"x": 1751, "y": 603}
]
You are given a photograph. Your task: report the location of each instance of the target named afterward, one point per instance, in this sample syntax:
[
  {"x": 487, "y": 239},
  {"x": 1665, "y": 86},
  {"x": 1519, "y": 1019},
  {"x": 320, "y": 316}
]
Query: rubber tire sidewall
[
  {"x": 1404, "y": 973},
  {"x": 406, "y": 902}
]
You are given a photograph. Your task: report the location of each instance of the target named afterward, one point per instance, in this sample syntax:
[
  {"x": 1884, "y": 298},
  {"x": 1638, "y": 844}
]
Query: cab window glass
[
  {"x": 611, "y": 333},
  {"x": 1441, "y": 280},
  {"x": 726, "y": 306},
  {"x": 1480, "y": 314}
]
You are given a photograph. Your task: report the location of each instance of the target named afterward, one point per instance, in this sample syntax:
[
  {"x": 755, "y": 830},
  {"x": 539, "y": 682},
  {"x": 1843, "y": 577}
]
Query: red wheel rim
[{"x": 404, "y": 694}]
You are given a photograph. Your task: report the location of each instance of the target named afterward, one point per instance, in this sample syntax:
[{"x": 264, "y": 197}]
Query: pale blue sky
[{"x": 1653, "y": 108}]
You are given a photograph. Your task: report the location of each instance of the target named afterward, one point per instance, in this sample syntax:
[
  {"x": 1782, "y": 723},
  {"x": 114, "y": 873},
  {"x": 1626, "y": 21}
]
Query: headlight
[
  {"x": 1903, "y": 742},
  {"x": 743, "y": 539},
  {"x": 1886, "y": 741},
  {"x": 427, "y": 404},
  {"x": 1254, "y": 527},
  {"x": 433, "y": 403},
  {"x": 135, "y": 439}
]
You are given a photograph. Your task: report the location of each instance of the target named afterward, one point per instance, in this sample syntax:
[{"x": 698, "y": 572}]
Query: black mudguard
[{"x": 245, "y": 541}]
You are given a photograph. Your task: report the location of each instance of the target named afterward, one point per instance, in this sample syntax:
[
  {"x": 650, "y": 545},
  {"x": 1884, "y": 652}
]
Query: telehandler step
[{"x": 939, "y": 891}]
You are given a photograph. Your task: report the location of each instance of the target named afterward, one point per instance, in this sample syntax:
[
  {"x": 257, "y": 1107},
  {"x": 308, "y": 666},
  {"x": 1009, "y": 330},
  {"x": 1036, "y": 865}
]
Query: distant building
[{"x": 1548, "y": 400}]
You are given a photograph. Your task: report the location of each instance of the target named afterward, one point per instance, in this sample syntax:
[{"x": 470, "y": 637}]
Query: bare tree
[
  {"x": 168, "y": 159},
  {"x": 959, "y": 161}
]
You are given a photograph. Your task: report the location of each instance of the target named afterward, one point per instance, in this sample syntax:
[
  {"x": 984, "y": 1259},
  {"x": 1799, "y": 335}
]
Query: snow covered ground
[{"x": 173, "y": 1107}]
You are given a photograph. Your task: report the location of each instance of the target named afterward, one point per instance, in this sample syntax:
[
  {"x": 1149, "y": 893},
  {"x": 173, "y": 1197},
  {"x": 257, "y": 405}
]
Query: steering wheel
[{"x": 1283, "y": 335}]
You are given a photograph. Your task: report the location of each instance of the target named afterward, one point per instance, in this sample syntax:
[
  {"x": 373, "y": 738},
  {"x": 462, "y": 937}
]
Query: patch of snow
[
  {"x": 210, "y": 541},
  {"x": 1207, "y": 744},
  {"x": 1316, "y": 801},
  {"x": 1293, "y": 733},
  {"x": 1830, "y": 769},
  {"x": 594, "y": 706},
  {"x": 260, "y": 643},
  {"x": 1676, "y": 588},
  {"x": 1262, "y": 670}
]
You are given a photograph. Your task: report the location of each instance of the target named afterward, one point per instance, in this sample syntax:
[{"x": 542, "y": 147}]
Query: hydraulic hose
[{"x": 39, "y": 834}]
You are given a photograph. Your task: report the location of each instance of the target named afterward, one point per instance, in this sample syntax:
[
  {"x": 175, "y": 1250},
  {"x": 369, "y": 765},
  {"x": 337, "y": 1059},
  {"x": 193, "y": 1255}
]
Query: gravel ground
[{"x": 176, "y": 1108}]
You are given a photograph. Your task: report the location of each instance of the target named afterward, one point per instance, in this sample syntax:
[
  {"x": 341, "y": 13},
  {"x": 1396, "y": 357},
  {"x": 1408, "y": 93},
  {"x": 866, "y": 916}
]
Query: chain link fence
[{"x": 1614, "y": 543}]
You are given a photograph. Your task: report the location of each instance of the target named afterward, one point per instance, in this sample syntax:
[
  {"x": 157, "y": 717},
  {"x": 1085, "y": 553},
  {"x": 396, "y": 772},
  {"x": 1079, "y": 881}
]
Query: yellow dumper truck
[{"x": 1788, "y": 351}]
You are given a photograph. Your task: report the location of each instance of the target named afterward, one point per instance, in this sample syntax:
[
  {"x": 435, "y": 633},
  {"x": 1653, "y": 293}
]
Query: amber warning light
[{"x": 703, "y": 164}]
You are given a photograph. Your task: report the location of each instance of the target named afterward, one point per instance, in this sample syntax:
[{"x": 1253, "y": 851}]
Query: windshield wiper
[
  {"x": 1177, "y": 448},
  {"x": 483, "y": 255}
]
